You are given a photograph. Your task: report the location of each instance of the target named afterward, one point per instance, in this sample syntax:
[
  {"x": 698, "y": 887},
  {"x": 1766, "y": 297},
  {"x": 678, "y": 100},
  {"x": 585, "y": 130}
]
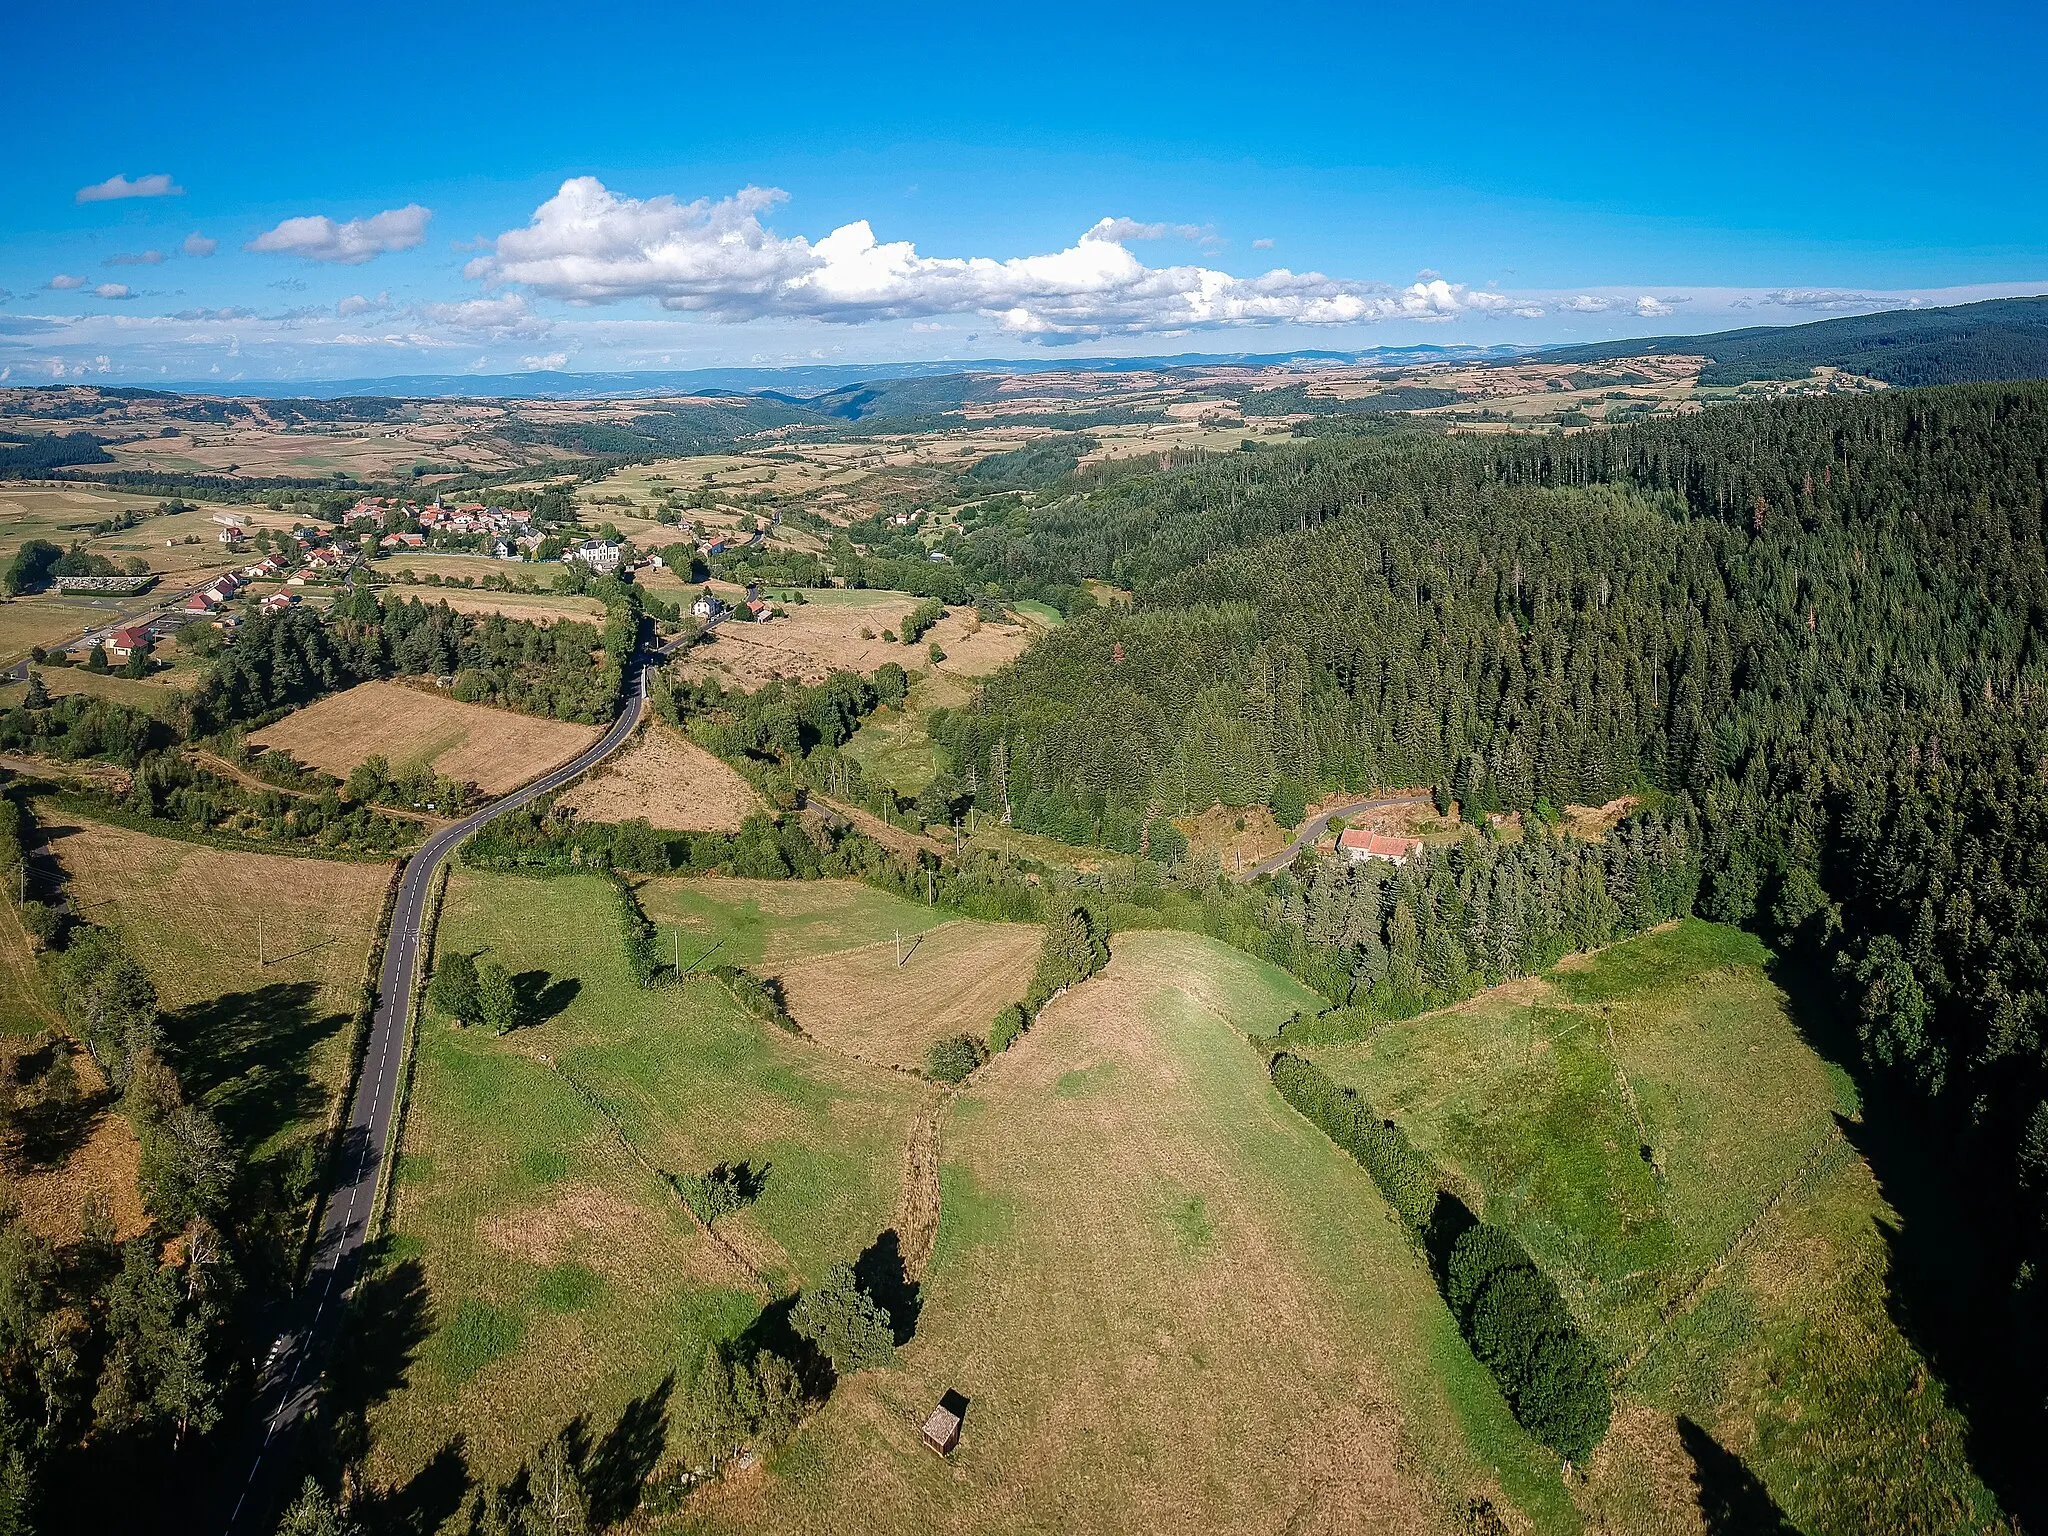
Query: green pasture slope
[
  {"x": 545, "y": 1268},
  {"x": 1654, "y": 1127}
]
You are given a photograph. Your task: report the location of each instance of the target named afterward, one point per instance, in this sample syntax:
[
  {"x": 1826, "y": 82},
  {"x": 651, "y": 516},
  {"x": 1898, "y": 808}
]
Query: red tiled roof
[{"x": 1377, "y": 845}]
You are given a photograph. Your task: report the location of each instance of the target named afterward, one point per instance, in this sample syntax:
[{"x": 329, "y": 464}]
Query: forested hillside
[
  {"x": 1811, "y": 633},
  {"x": 1962, "y": 344}
]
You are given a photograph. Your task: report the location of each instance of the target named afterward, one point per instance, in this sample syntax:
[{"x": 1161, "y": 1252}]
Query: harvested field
[
  {"x": 954, "y": 980},
  {"x": 1170, "y": 1303},
  {"x": 258, "y": 960},
  {"x": 667, "y": 779},
  {"x": 539, "y": 607},
  {"x": 495, "y": 749},
  {"x": 823, "y": 635}
]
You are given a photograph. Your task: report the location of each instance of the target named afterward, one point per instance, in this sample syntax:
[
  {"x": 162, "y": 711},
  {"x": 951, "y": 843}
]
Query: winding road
[
  {"x": 290, "y": 1378},
  {"x": 1317, "y": 825}
]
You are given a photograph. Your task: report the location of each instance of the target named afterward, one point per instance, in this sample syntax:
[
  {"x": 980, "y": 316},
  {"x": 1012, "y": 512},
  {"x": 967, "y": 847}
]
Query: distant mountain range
[
  {"x": 802, "y": 383},
  {"x": 1988, "y": 342},
  {"x": 1997, "y": 339}
]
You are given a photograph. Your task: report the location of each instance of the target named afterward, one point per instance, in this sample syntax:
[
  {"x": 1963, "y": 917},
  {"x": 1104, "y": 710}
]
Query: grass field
[
  {"x": 540, "y": 607},
  {"x": 823, "y": 635},
  {"x": 1651, "y": 1123},
  {"x": 257, "y": 961},
  {"x": 669, "y": 780},
  {"x": 552, "y": 1271},
  {"x": 1170, "y": 1303},
  {"x": 951, "y": 980},
  {"x": 495, "y": 749},
  {"x": 776, "y": 923},
  {"x": 158, "y": 692}
]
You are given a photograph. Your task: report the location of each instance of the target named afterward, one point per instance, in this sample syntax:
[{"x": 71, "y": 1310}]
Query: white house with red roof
[{"x": 1358, "y": 845}]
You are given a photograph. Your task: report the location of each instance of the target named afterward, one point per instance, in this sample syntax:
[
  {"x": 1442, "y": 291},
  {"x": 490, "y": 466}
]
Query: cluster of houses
[
  {"x": 509, "y": 531},
  {"x": 709, "y": 609}
]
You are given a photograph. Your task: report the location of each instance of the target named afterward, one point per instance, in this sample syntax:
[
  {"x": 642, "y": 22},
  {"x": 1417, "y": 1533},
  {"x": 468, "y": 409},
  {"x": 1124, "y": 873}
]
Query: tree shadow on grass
[
  {"x": 1732, "y": 1500},
  {"x": 247, "y": 1056},
  {"x": 390, "y": 1317},
  {"x": 771, "y": 1331},
  {"x": 56, "y": 1117},
  {"x": 616, "y": 1469},
  {"x": 1951, "y": 1254},
  {"x": 879, "y": 1271},
  {"x": 426, "y": 1501},
  {"x": 542, "y": 997}
]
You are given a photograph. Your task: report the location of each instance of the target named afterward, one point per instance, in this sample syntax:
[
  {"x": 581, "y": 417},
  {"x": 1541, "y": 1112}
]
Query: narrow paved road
[
  {"x": 1316, "y": 826},
  {"x": 290, "y": 1378}
]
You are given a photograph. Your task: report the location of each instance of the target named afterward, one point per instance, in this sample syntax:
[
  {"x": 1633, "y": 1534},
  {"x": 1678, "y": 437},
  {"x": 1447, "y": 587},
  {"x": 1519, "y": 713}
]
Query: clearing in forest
[
  {"x": 1170, "y": 1303},
  {"x": 669, "y": 781},
  {"x": 886, "y": 1001},
  {"x": 1652, "y": 1124},
  {"x": 495, "y": 749},
  {"x": 823, "y": 634},
  {"x": 547, "y": 1270}
]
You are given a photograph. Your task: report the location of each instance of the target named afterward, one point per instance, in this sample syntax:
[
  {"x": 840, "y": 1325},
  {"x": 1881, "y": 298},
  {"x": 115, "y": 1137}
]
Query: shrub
[
  {"x": 950, "y": 1061},
  {"x": 718, "y": 1192},
  {"x": 1008, "y": 1029},
  {"x": 1523, "y": 1333},
  {"x": 453, "y": 990},
  {"x": 44, "y": 923},
  {"x": 1075, "y": 948},
  {"x": 844, "y": 1322},
  {"x": 643, "y": 949},
  {"x": 1404, "y": 1176},
  {"x": 759, "y": 995}
]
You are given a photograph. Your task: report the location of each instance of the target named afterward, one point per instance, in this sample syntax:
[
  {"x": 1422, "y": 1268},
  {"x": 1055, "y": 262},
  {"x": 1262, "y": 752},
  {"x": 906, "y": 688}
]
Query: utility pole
[{"x": 899, "y": 949}]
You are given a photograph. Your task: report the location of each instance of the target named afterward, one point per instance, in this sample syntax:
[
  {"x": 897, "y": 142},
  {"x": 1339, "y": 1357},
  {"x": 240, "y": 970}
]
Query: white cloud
[
  {"x": 318, "y": 238},
  {"x": 1586, "y": 304},
  {"x": 197, "y": 244},
  {"x": 546, "y": 364},
  {"x": 1826, "y": 300},
  {"x": 134, "y": 259},
  {"x": 112, "y": 291},
  {"x": 358, "y": 304},
  {"x": 1652, "y": 308},
  {"x": 115, "y": 188},
  {"x": 504, "y": 317},
  {"x": 65, "y": 280},
  {"x": 587, "y": 245},
  {"x": 1528, "y": 311},
  {"x": 1262, "y": 244}
]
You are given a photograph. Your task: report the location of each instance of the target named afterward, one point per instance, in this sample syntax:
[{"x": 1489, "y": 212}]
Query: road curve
[
  {"x": 290, "y": 1377},
  {"x": 1317, "y": 825}
]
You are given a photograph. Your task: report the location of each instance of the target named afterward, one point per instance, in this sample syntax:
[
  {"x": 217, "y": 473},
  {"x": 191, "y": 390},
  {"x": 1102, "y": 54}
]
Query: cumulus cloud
[
  {"x": 319, "y": 238},
  {"x": 358, "y": 304},
  {"x": 1826, "y": 300},
  {"x": 112, "y": 291},
  {"x": 1652, "y": 308},
  {"x": 1586, "y": 304},
  {"x": 229, "y": 312},
  {"x": 65, "y": 280},
  {"x": 115, "y": 188},
  {"x": 587, "y": 245},
  {"x": 134, "y": 259},
  {"x": 197, "y": 244},
  {"x": 1262, "y": 244},
  {"x": 503, "y": 317},
  {"x": 545, "y": 364}
]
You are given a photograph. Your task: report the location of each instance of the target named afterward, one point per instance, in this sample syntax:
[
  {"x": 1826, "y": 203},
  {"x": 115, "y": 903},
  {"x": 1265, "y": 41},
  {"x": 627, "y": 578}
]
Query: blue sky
[{"x": 396, "y": 190}]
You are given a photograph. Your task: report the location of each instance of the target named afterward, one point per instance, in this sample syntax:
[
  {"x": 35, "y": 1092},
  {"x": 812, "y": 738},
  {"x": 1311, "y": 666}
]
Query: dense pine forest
[{"x": 1809, "y": 634}]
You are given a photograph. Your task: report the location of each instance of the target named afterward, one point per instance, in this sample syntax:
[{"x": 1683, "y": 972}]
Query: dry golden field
[
  {"x": 668, "y": 780},
  {"x": 494, "y": 749},
  {"x": 953, "y": 980}
]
